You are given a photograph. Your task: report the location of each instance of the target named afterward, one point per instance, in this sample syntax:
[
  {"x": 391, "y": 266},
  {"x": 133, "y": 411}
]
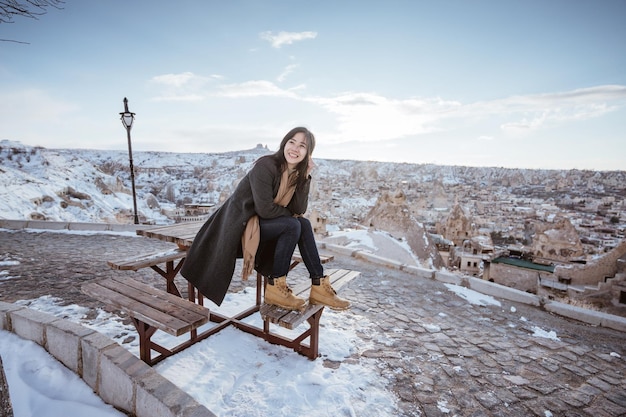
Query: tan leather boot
[
  {"x": 280, "y": 295},
  {"x": 326, "y": 295}
]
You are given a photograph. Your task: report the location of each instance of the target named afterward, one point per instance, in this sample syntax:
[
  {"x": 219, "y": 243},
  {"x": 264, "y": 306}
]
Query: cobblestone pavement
[{"x": 442, "y": 355}]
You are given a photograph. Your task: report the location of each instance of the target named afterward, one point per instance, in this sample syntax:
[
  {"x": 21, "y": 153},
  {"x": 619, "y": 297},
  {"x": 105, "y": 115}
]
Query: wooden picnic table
[{"x": 183, "y": 234}]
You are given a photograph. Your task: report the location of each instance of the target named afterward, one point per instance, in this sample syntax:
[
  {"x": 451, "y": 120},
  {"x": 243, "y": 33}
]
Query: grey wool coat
[{"x": 211, "y": 259}]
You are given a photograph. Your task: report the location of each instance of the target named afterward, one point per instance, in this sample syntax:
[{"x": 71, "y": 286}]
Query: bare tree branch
[
  {"x": 14, "y": 41},
  {"x": 27, "y": 8}
]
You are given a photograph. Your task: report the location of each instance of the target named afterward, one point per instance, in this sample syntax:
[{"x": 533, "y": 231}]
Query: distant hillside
[{"x": 94, "y": 186}]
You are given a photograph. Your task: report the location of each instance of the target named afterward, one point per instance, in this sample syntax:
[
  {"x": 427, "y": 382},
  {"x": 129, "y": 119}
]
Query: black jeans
[{"x": 289, "y": 232}]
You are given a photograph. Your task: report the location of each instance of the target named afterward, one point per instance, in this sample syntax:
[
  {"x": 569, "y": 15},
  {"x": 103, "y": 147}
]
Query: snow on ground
[
  {"x": 539, "y": 332},
  {"x": 41, "y": 386},
  {"x": 476, "y": 298},
  {"x": 376, "y": 242},
  {"x": 231, "y": 373},
  {"x": 473, "y": 297}
]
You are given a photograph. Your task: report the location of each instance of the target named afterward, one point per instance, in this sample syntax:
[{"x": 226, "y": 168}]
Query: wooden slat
[
  {"x": 302, "y": 289},
  {"x": 157, "y": 300},
  {"x": 137, "y": 310},
  {"x": 292, "y": 319},
  {"x": 340, "y": 277},
  {"x": 157, "y": 308},
  {"x": 287, "y": 318},
  {"x": 146, "y": 260},
  {"x": 157, "y": 296},
  {"x": 323, "y": 258},
  {"x": 172, "y": 230},
  {"x": 182, "y": 233},
  {"x": 272, "y": 313}
]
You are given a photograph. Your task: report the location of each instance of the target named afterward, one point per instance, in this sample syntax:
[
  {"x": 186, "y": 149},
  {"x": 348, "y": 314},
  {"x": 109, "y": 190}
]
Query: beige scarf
[{"x": 252, "y": 234}]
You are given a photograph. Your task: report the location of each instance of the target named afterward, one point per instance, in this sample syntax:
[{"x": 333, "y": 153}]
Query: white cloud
[
  {"x": 184, "y": 78},
  {"x": 371, "y": 117},
  {"x": 538, "y": 111},
  {"x": 598, "y": 93},
  {"x": 175, "y": 80},
  {"x": 286, "y": 38},
  {"x": 185, "y": 86},
  {"x": 549, "y": 115},
  {"x": 288, "y": 70},
  {"x": 254, "y": 89},
  {"x": 180, "y": 97}
]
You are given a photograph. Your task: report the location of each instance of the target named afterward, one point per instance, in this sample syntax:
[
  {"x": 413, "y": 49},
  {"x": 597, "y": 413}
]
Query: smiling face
[{"x": 296, "y": 150}]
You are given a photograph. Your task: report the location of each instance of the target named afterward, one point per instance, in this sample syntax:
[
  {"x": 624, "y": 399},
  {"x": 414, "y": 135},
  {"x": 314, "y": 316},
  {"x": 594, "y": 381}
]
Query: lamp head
[{"x": 127, "y": 116}]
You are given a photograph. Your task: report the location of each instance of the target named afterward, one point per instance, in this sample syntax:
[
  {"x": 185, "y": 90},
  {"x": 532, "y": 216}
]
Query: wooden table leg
[
  {"x": 145, "y": 332},
  {"x": 314, "y": 322},
  {"x": 260, "y": 285},
  {"x": 169, "y": 274}
]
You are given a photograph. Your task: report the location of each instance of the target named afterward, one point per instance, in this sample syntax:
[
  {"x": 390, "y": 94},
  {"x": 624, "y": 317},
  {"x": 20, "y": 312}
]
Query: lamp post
[{"x": 127, "y": 120}]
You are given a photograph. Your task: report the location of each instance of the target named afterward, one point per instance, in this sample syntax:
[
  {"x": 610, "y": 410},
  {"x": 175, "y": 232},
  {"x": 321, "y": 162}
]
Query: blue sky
[{"x": 530, "y": 84}]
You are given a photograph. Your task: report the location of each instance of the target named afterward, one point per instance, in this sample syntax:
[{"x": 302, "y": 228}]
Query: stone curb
[
  {"x": 595, "y": 318},
  {"x": 116, "y": 375},
  {"x": 46, "y": 225}
]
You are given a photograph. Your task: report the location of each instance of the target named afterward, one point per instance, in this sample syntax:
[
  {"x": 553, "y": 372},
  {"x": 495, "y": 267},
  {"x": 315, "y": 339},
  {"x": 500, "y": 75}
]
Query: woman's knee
[
  {"x": 292, "y": 225},
  {"x": 305, "y": 224},
  {"x": 285, "y": 226}
]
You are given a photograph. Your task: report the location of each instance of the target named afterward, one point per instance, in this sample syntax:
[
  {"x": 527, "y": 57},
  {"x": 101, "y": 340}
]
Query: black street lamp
[{"x": 127, "y": 121}]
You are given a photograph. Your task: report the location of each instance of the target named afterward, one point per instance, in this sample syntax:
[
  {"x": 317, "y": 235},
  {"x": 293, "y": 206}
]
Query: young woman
[{"x": 262, "y": 223}]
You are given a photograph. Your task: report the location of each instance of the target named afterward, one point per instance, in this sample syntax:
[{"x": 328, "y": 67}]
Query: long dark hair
[{"x": 279, "y": 155}]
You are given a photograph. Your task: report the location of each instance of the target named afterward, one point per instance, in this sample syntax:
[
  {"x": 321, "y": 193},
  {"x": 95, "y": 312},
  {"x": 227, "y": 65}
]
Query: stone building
[
  {"x": 555, "y": 241},
  {"x": 318, "y": 222},
  {"x": 458, "y": 226},
  {"x": 198, "y": 209},
  {"x": 599, "y": 282},
  {"x": 521, "y": 274},
  {"x": 471, "y": 255}
]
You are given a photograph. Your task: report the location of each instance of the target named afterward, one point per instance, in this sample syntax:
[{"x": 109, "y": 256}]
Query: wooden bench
[
  {"x": 153, "y": 260},
  {"x": 312, "y": 314},
  {"x": 151, "y": 309},
  {"x": 296, "y": 258}
]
